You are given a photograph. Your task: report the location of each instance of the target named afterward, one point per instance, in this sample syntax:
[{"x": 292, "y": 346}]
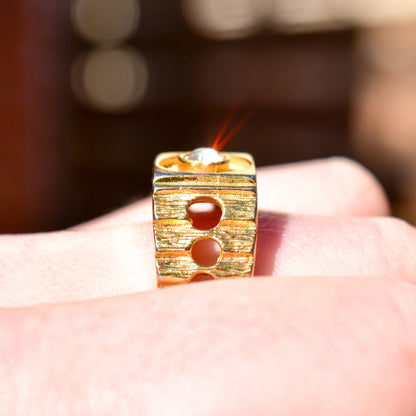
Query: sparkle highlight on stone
[{"x": 203, "y": 155}]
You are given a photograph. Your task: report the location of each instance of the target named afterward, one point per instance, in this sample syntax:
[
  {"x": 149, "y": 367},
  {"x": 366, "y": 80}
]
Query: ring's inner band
[{"x": 231, "y": 163}]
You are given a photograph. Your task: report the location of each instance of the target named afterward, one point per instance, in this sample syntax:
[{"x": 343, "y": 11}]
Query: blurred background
[{"x": 92, "y": 90}]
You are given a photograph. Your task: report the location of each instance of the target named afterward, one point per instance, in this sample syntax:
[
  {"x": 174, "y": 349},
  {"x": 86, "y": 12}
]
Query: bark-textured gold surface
[
  {"x": 176, "y": 235},
  {"x": 238, "y": 204},
  {"x": 204, "y": 181},
  {"x": 235, "y": 192}
]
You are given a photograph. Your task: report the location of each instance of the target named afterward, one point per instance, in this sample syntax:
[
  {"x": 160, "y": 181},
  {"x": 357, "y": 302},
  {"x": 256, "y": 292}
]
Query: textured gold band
[{"x": 180, "y": 181}]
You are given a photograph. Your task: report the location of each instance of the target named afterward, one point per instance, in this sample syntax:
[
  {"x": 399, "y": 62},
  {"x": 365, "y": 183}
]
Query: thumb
[{"x": 290, "y": 346}]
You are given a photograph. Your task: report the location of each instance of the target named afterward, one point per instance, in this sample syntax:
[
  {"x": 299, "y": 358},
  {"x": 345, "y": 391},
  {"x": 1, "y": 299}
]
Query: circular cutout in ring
[
  {"x": 201, "y": 277},
  {"x": 205, "y": 213},
  {"x": 206, "y": 252}
]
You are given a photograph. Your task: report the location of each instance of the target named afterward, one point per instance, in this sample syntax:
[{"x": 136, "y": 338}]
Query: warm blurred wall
[
  {"x": 31, "y": 83},
  {"x": 384, "y": 110}
]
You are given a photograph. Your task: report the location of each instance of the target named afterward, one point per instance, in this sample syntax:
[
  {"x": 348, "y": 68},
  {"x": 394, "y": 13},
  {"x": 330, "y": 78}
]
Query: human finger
[
  {"x": 70, "y": 266},
  {"x": 297, "y": 245},
  {"x": 291, "y": 346},
  {"x": 335, "y": 186}
]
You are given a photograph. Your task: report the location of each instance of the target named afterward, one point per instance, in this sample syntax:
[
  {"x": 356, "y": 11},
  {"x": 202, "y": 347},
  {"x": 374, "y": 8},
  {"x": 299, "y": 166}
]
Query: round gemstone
[{"x": 204, "y": 155}]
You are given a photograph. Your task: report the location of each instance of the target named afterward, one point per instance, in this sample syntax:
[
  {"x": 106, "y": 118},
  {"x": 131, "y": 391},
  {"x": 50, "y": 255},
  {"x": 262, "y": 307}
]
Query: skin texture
[
  {"x": 329, "y": 329},
  {"x": 87, "y": 261}
]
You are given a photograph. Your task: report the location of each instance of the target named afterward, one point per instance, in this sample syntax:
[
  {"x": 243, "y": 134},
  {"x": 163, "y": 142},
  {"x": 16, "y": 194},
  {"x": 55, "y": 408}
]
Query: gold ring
[{"x": 204, "y": 215}]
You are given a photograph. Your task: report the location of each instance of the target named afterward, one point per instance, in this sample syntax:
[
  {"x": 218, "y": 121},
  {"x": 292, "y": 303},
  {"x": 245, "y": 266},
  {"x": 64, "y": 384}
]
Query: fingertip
[{"x": 334, "y": 186}]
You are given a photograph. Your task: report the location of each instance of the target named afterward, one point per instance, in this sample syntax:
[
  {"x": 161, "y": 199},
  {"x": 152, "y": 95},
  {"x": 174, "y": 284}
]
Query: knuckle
[
  {"x": 397, "y": 229},
  {"x": 367, "y": 188},
  {"x": 346, "y": 166},
  {"x": 398, "y": 243}
]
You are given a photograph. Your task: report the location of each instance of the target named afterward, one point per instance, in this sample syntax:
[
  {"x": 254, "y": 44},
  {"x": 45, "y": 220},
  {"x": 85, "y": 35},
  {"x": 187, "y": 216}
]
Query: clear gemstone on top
[{"x": 204, "y": 155}]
